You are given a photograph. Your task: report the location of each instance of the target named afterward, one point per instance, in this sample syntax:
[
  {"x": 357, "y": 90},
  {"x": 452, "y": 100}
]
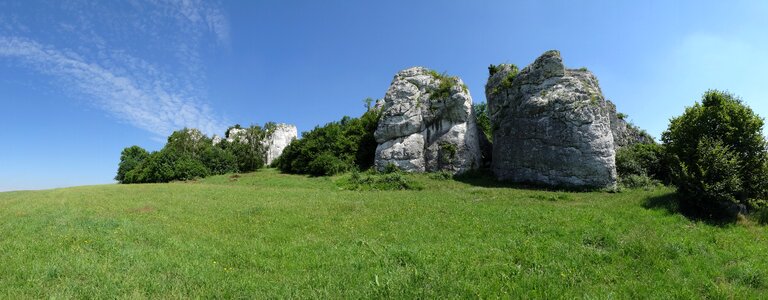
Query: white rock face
[
  {"x": 237, "y": 134},
  {"x": 216, "y": 139},
  {"x": 426, "y": 126},
  {"x": 277, "y": 139},
  {"x": 551, "y": 125}
]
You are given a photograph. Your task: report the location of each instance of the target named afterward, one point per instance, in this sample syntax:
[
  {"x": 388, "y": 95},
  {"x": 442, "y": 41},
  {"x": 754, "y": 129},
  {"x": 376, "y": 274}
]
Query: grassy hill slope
[{"x": 269, "y": 234}]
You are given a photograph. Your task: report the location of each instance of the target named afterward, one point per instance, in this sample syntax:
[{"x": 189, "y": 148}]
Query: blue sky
[{"x": 81, "y": 80}]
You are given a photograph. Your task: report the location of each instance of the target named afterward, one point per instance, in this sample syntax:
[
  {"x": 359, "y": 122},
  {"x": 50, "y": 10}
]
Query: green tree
[
  {"x": 333, "y": 148},
  {"x": 718, "y": 153},
  {"x": 130, "y": 158},
  {"x": 483, "y": 119}
]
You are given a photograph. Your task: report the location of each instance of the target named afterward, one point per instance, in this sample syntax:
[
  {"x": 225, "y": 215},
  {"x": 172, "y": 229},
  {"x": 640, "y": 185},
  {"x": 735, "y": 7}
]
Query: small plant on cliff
[
  {"x": 506, "y": 83},
  {"x": 447, "y": 152},
  {"x": 445, "y": 86},
  {"x": 492, "y": 69}
]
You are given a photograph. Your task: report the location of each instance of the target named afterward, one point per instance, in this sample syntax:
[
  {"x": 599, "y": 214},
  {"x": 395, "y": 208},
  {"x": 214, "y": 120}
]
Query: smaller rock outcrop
[
  {"x": 551, "y": 125},
  {"x": 624, "y": 133},
  {"x": 279, "y": 136},
  {"x": 427, "y": 124}
]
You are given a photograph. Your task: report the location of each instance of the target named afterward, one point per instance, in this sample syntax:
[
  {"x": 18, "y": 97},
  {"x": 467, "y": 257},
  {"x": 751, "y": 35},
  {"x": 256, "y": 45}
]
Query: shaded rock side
[
  {"x": 277, "y": 139},
  {"x": 624, "y": 133},
  {"x": 427, "y": 124},
  {"x": 551, "y": 125}
]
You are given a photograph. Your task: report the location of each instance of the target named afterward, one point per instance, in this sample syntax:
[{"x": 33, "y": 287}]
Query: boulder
[
  {"x": 427, "y": 124},
  {"x": 551, "y": 125},
  {"x": 278, "y": 137}
]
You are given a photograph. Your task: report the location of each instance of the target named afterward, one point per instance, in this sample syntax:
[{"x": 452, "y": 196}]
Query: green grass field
[{"x": 267, "y": 234}]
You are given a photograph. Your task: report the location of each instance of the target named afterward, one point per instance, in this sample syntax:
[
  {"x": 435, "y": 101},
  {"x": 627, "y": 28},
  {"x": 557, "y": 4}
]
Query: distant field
[{"x": 268, "y": 234}]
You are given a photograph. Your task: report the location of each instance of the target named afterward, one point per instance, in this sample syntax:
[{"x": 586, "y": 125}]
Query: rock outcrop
[
  {"x": 624, "y": 133},
  {"x": 278, "y": 137},
  {"x": 236, "y": 134},
  {"x": 427, "y": 124},
  {"x": 551, "y": 125}
]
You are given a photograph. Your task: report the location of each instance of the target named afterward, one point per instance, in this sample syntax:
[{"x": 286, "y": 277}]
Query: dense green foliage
[
  {"x": 247, "y": 148},
  {"x": 639, "y": 165},
  {"x": 718, "y": 154},
  {"x": 483, "y": 119},
  {"x": 189, "y": 154},
  {"x": 271, "y": 235},
  {"x": 333, "y": 148},
  {"x": 130, "y": 158}
]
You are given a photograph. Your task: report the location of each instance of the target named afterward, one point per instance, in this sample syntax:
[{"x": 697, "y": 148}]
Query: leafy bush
[
  {"x": 638, "y": 181},
  {"x": 247, "y": 147},
  {"x": 718, "y": 154},
  {"x": 441, "y": 175},
  {"x": 328, "y": 164},
  {"x": 219, "y": 161},
  {"x": 762, "y": 216},
  {"x": 130, "y": 158},
  {"x": 647, "y": 160},
  {"x": 333, "y": 148}
]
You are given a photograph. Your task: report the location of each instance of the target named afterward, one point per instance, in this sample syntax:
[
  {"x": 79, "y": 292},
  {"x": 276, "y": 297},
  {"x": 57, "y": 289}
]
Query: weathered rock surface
[
  {"x": 277, "y": 139},
  {"x": 236, "y": 134},
  {"x": 551, "y": 125},
  {"x": 427, "y": 124},
  {"x": 624, "y": 133}
]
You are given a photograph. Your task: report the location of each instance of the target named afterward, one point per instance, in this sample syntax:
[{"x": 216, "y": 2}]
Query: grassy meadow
[{"x": 267, "y": 234}]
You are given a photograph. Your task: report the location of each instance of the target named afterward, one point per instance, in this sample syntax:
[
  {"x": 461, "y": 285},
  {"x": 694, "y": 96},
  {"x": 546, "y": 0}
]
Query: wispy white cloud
[
  {"x": 143, "y": 62},
  {"x": 152, "y": 104}
]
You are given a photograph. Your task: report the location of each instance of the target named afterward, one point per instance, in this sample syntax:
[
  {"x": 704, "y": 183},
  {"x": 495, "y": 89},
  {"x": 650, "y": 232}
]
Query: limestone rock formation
[
  {"x": 551, "y": 125},
  {"x": 624, "y": 133},
  {"x": 278, "y": 137},
  {"x": 427, "y": 124},
  {"x": 236, "y": 134},
  {"x": 216, "y": 139}
]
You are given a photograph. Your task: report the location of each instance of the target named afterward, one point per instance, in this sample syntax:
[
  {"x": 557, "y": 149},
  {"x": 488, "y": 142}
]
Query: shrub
[
  {"x": 718, "y": 153},
  {"x": 333, "y": 148},
  {"x": 638, "y": 181},
  {"x": 130, "y": 158},
  {"x": 441, "y": 175},
  {"x": 391, "y": 168},
  {"x": 762, "y": 216},
  {"x": 327, "y": 164},
  {"x": 647, "y": 160},
  {"x": 187, "y": 168},
  {"x": 247, "y": 148},
  {"x": 219, "y": 161}
]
